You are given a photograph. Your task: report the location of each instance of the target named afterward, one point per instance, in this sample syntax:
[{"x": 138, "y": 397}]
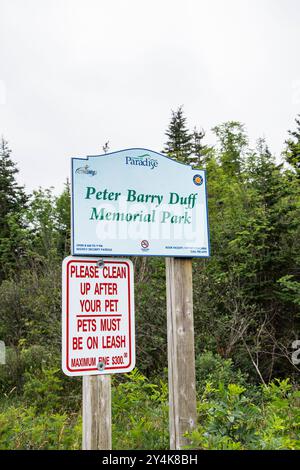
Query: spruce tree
[
  {"x": 62, "y": 209},
  {"x": 200, "y": 152},
  {"x": 12, "y": 202},
  {"x": 233, "y": 141},
  {"x": 292, "y": 152},
  {"x": 179, "y": 143},
  {"x": 263, "y": 173}
]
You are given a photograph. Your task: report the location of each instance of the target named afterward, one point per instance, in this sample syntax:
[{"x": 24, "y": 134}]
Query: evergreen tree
[
  {"x": 12, "y": 202},
  {"x": 63, "y": 210},
  {"x": 292, "y": 152},
  {"x": 12, "y": 196},
  {"x": 200, "y": 152},
  {"x": 179, "y": 143},
  {"x": 263, "y": 173},
  {"x": 233, "y": 141}
]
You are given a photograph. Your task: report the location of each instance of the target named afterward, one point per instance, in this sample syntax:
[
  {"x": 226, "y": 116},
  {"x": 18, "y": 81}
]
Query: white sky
[{"x": 75, "y": 73}]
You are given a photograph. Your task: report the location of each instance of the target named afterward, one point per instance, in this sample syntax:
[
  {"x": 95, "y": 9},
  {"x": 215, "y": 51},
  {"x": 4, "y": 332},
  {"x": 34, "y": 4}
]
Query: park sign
[
  {"x": 98, "y": 335},
  {"x": 138, "y": 202}
]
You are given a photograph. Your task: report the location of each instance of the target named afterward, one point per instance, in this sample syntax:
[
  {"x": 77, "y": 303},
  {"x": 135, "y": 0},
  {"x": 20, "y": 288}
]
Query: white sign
[
  {"x": 98, "y": 335},
  {"x": 138, "y": 202}
]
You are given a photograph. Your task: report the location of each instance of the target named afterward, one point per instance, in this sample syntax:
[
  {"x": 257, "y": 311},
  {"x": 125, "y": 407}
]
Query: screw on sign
[{"x": 98, "y": 316}]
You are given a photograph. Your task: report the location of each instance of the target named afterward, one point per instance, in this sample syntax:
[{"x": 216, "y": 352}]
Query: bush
[
  {"x": 43, "y": 390},
  {"x": 229, "y": 419},
  {"x": 214, "y": 369},
  {"x": 22, "y": 428},
  {"x": 20, "y": 360},
  {"x": 230, "y": 415},
  {"x": 140, "y": 414}
]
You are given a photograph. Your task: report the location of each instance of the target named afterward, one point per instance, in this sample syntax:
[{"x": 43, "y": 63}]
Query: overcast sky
[{"x": 75, "y": 73}]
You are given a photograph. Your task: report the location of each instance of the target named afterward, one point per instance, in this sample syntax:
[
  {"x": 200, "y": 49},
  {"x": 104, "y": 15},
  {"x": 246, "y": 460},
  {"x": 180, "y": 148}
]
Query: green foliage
[
  {"x": 22, "y": 428},
  {"x": 179, "y": 143},
  {"x": 215, "y": 370},
  {"x": 230, "y": 420},
  {"x": 48, "y": 218},
  {"x": 230, "y": 416},
  {"x": 233, "y": 142},
  {"x": 292, "y": 151},
  {"x": 18, "y": 362},
  {"x": 290, "y": 289},
  {"x": 140, "y": 413},
  {"x": 43, "y": 389},
  {"x": 24, "y": 302},
  {"x": 185, "y": 146},
  {"x": 240, "y": 309},
  {"x": 12, "y": 202},
  {"x": 63, "y": 223}
]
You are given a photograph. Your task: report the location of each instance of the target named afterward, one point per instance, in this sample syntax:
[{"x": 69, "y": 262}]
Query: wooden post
[
  {"x": 181, "y": 353},
  {"x": 96, "y": 412}
]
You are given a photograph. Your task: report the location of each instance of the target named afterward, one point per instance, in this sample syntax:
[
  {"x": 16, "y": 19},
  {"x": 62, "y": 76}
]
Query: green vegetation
[
  {"x": 246, "y": 308},
  {"x": 230, "y": 416}
]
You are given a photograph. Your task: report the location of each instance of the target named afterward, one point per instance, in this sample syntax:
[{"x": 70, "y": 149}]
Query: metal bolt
[
  {"x": 101, "y": 366},
  {"x": 100, "y": 263}
]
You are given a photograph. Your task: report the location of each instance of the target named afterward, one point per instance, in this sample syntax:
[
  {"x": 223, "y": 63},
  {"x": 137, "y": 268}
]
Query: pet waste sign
[
  {"x": 98, "y": 316},
  {"x": 138, "y": 202}
]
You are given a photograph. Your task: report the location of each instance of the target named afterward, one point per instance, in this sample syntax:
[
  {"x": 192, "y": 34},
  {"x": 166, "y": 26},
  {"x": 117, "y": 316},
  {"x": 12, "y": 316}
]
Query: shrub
[
  {"x": 140, "y": 414},
  {"x": 43, "y": 390},
  {"x": 20, "y": 360},
  {"x": 228, "y": 419},
  {"x": 215, "y": 369},
  {"x": 22, "y": 428}
]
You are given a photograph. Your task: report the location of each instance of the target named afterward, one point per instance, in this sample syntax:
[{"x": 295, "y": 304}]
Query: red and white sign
[{"x": 98, "y": 335}]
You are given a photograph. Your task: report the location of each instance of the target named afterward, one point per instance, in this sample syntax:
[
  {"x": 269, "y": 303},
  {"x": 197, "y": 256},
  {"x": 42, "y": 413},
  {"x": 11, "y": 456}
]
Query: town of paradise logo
[
  {"x": 142, "y": 160},
  {"x": 198, "y": 180},
  {"x": 85, "y": 170}
]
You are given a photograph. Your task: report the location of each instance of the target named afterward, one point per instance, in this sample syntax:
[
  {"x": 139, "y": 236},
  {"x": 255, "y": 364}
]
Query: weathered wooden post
[
  {"x": 97, "y": 296},
  {"x": 96, "y": 412},
  {"x": 181, "y": 353}
]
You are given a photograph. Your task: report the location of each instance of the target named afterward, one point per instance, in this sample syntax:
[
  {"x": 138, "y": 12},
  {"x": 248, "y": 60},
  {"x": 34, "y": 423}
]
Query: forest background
[{"x": 246, "y": 307}]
